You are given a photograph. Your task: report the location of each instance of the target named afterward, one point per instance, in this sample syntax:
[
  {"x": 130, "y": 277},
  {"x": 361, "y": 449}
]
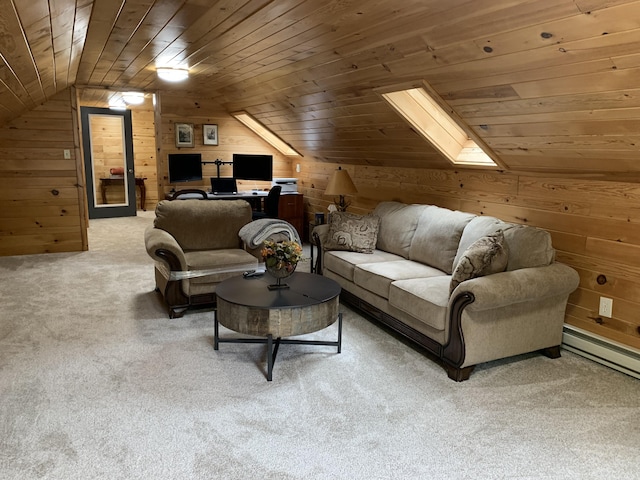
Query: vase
[{"x": 279, "y": 274}]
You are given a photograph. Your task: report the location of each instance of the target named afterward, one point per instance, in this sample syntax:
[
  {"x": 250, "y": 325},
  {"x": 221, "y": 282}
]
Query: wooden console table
[{"x": 109, "y": 181}]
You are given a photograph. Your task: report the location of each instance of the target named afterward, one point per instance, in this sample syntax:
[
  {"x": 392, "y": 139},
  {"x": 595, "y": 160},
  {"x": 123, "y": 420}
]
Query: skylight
[
  {"x": 266, "y": 134},
  {"x": 431, "y": 121}
]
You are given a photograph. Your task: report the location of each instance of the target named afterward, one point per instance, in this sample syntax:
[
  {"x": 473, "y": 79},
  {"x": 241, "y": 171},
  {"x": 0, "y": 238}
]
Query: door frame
[{"x": 118, "y": 210}]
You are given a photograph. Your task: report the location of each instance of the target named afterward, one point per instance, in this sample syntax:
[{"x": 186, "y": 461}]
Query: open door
[{"x": 107, "y": 139}]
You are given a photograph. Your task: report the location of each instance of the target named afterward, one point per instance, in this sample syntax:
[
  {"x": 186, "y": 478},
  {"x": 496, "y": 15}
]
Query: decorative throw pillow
[
  {"x": 485, "y": 256},
  {"x": 356, "y": 233}
]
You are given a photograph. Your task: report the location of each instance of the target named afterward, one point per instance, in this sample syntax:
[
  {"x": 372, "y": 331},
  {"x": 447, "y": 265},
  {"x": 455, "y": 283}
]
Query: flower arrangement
[{"x": 281, "y": 255}]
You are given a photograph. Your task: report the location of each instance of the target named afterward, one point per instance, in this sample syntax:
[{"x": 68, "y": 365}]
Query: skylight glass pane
[{"x": 432, "y": 122}]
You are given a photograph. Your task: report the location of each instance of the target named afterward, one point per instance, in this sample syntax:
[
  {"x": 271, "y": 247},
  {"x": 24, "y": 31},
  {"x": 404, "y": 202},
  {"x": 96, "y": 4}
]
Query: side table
[{"x": 108, "y": 181}]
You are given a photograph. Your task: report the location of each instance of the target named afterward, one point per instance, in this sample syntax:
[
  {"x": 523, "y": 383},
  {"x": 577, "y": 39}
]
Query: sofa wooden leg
[
  {"x": 459, "y": 374},
  {"x": 551, "y": 352},
  {"x": 177, "y": 312}
]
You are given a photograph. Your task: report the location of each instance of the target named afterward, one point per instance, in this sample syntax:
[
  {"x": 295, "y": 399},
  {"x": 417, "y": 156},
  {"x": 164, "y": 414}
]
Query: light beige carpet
[{"x": 96, "y": 382}]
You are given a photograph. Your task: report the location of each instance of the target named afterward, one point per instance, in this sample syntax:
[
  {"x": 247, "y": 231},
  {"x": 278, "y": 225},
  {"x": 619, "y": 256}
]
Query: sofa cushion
[
  {"x": 343, "y": 262},
  {"x": 356, "y": 233},
  {"x": 377, "y": 277},
  {"x": 437, "y": 237},
  {"x": 528, "y": 247},
  {"x": 426, "y": 299},
  {"x": 485, "y": 256},
  {"x": 398, "y": 223}
]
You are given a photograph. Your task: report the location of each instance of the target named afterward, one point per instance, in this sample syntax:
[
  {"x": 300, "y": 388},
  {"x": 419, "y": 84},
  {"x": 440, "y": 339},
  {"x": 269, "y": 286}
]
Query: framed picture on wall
[
  {"x": 184, "y": 135},
  {"x": 210, "y": 134}
]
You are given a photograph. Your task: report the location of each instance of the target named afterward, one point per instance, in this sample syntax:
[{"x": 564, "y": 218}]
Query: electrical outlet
[
  {"x": 606, "y": 307},
  {"x": 67, "y": 154}
]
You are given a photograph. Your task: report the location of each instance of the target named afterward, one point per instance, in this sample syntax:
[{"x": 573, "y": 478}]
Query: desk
[
  {"x": 253, "y": 197},
  {"x": 108, "y": 181}
]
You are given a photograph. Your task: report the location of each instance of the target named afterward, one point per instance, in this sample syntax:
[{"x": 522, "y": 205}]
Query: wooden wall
[
  {"x": 41, "y": 206},
  {"x": 595, "y": 224},
  {"x": 233, "y": 137}
]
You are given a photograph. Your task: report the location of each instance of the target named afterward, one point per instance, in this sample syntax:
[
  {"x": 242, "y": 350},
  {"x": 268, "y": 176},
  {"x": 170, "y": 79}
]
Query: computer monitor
[
  {"x": 252, "y": 167},
  {"x": 185, "y": 167},
  {"x": 223, "y": 185}
]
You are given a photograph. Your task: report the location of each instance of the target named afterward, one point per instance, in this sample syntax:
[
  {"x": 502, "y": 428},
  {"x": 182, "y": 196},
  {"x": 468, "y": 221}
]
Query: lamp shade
[{"x": 340, "y": 183}]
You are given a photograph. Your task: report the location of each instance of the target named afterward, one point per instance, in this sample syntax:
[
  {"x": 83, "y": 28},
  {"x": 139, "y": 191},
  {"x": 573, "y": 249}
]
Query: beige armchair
[{"x": 195, "y": 245}]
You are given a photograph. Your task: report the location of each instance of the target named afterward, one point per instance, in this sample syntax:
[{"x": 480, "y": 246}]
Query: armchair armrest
[
  {"x": 162, "y": 247},
  {"x": 507, "y": 288}
]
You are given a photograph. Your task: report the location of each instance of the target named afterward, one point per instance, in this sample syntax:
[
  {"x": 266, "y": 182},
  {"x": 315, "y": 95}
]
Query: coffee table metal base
[{"x": 273, "y": 345}]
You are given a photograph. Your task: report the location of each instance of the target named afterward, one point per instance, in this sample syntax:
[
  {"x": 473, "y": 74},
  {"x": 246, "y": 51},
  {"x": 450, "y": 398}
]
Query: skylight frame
[
  {"x": 422, "y": 108},
  {"x": 266, "y": 134}
]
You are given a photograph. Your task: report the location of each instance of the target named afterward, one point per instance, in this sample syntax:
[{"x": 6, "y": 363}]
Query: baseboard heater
[{"x": 599, "y": 349}]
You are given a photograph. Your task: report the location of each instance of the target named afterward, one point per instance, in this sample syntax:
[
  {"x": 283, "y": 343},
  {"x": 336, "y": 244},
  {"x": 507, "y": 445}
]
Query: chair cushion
[
  {"x": 485, "y": 256},
  {"x": 218, "y": 264},
  {"x": 356, "y": 233},
  {"x": 203, "y": 224}
]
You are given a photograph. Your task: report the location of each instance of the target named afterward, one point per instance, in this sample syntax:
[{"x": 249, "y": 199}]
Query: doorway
[{"x": 107, "y": 139}]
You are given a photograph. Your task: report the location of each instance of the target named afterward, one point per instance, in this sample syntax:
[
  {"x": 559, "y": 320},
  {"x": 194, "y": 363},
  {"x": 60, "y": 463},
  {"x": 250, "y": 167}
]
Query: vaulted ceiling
[{"x": 548, "y": 85}]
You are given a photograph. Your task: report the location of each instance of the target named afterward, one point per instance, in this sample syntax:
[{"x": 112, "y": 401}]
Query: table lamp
[{"x": 340, "y": 184}]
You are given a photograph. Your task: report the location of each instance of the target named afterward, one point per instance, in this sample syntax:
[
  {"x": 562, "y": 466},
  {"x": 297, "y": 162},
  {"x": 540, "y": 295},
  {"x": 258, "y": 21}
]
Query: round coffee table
[{"x": 248, "y": 306}]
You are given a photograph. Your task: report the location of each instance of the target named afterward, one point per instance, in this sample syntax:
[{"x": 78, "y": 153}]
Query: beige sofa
[
  {"x": 196, "y": 245},
  {"x": 406, "y": 282}
]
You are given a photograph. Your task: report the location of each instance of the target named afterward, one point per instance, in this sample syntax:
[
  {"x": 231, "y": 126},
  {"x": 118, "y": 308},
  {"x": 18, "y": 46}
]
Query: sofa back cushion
[
  {"x": 437, "y": 237},
  {"x": 398, "y": 223},
  {"x": 203, "y": 224},
  {"x": 528, "y": 247}
]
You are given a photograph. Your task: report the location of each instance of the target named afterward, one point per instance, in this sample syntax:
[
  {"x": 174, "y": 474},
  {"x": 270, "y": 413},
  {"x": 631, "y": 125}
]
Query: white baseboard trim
[{"x": 599, "y": 349}]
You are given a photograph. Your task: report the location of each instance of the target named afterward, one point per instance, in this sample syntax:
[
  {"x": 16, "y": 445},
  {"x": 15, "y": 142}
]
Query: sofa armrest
[
  {"x": 323, "y": 232},
  {"x": 517, "y": 286},
  {"x": 163, "y": 247},
  {"x": 320, "y": 234}
]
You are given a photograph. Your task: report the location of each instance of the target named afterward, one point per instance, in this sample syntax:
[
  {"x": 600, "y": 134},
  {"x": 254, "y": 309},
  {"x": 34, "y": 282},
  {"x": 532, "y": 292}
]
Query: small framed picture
[
  {"x": 210, "y": 134},
  {"x": 184, "y": 135}
]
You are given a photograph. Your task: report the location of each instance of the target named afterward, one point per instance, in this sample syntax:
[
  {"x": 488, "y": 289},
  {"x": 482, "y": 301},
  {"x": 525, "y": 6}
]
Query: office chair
[
  {"x": 270, "y": 204},
  {"x": 189, "y": 193}
]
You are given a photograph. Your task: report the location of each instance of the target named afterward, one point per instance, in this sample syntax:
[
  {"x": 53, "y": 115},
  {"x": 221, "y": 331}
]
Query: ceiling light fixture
[
  {"x": 116, "y": 103},
  {"x": 172, "y": 74},
  {"x": 133, "y": 98},
  {"x": 266, "y": 134}
]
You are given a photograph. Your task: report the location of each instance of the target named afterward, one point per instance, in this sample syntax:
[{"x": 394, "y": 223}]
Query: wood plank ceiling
[{"x": 549, "y": 85}]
